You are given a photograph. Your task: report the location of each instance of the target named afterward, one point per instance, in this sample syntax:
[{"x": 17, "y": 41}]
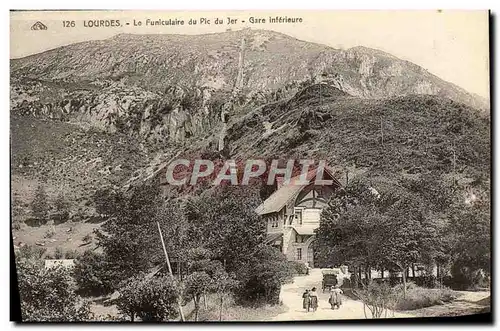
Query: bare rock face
[
  {"x": 172, "y": 87},
  {"x": 171, "y": 116}
]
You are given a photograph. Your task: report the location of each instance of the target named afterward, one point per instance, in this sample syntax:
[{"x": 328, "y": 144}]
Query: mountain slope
[
  {"x": 271, "y": 60},
  {"x": 171, "y": 87},
  {"x": 150, "y": 98},
  {"x": 386, "y": 139}
]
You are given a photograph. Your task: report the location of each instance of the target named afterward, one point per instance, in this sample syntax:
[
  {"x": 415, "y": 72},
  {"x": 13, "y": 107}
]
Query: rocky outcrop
[{"x": 173, "y": 116}]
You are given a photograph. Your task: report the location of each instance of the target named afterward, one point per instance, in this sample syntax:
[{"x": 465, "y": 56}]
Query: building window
[
  {"x": 299, "y": 253},
  {"x": 298, "y": 217},
  {"x": 274, "y": 221},
  {"x": 298, "y": 238}
]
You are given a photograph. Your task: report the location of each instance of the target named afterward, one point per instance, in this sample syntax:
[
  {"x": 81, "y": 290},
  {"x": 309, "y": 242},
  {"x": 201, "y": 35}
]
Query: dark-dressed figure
[
  {"x": 306, "y": 300},
  {"x": 314, "y": 299}
]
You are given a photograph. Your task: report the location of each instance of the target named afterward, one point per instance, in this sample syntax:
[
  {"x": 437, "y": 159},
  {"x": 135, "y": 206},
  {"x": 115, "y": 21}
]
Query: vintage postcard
[{"x": 250, "y": 165}]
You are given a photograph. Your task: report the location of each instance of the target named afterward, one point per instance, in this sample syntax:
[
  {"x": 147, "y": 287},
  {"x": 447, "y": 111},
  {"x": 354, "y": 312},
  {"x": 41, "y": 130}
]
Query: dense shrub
[
  {"x": 58, "y": 253},
  {"x": 16, "y": 225},
  {"x": 33, "y": 253},
  {"x": 153, "y": 299},
  {"x": 428, "y": 281},
  {"x": 298, "y": 268},
  {"x": 71, "y": 254},
  {"x": 465, "y": 278}
]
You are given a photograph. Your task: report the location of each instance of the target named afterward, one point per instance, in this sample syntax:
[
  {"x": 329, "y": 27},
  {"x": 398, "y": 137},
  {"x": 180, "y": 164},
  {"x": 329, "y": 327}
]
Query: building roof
[
  {"x": 305, "y": 230},
  {"x": 272, "y": 237},
  {"x": 67, "y": 263},
  {"x": 281, "y": 196}
]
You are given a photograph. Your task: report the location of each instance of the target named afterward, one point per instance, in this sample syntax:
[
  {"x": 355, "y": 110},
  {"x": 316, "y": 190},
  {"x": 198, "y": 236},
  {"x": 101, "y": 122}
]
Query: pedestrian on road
[
  {"x": 335, "y": 299},
  {"x": 314, "y": 299},
  {"x": 306, "y": 300}
]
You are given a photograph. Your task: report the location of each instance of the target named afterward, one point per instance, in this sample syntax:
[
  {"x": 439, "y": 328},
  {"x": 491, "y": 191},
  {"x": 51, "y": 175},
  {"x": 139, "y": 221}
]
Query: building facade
[{"x": 292, "y": 213}]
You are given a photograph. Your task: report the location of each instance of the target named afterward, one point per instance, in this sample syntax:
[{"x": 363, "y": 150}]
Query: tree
[
  {"x": 224, "y": 218},
  {"x": 151, "y": 299},
  {"x": 262, "y": 276},
  {"x": 350, "y": 228},
  {"x": 92, "y": 275},
  {"x": 197, "y": 284},
  {"x": 129, "y": 238},
  {"x": 224, "y": 284},
  {"x": 61, "y": 206},
  {"x": 108, "y": 202},
  {"x": 470, "y": 243},
  {"x": 47, "y": 295},
  {"x": 204, "y": 276},
  {"x": 386, "y": 230},
  {"x": 39, "y": 206}
]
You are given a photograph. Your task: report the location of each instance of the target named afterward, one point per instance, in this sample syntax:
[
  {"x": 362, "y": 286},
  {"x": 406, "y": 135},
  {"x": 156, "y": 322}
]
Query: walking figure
[
  {"x": 306, "y": 300},
  {"x": 335, "y": 299},
  {"x": 314, "y": 299}
]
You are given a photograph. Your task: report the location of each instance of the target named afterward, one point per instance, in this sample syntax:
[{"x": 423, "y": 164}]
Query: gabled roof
[
  {"x": 284, "y": 194},
  {"x": 305, "y": 230}
]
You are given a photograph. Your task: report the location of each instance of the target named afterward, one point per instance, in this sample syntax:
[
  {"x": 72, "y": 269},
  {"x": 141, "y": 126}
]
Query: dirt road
[{"x": 291, "y": 295}]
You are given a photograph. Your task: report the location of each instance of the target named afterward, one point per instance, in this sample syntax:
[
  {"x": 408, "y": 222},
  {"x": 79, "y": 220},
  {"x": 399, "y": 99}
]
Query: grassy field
[
  {"x": 420, "y": 297},
  {"x": 231, "y": 311},
  {"x": 67, "y": 237}
]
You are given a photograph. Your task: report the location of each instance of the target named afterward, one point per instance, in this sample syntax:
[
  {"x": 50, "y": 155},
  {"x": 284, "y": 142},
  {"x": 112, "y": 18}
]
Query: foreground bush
[
  {"x": 47, "y": 295},
  {"x": 153, "y": 299},
  {"x": 377, "y": 297}
]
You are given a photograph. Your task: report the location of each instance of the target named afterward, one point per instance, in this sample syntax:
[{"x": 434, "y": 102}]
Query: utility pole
[{"x": 170, "y": 270}]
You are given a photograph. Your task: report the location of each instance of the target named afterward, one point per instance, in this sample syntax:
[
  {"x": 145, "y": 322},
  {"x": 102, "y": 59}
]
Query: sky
[{"x": 453, "y": 45}]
